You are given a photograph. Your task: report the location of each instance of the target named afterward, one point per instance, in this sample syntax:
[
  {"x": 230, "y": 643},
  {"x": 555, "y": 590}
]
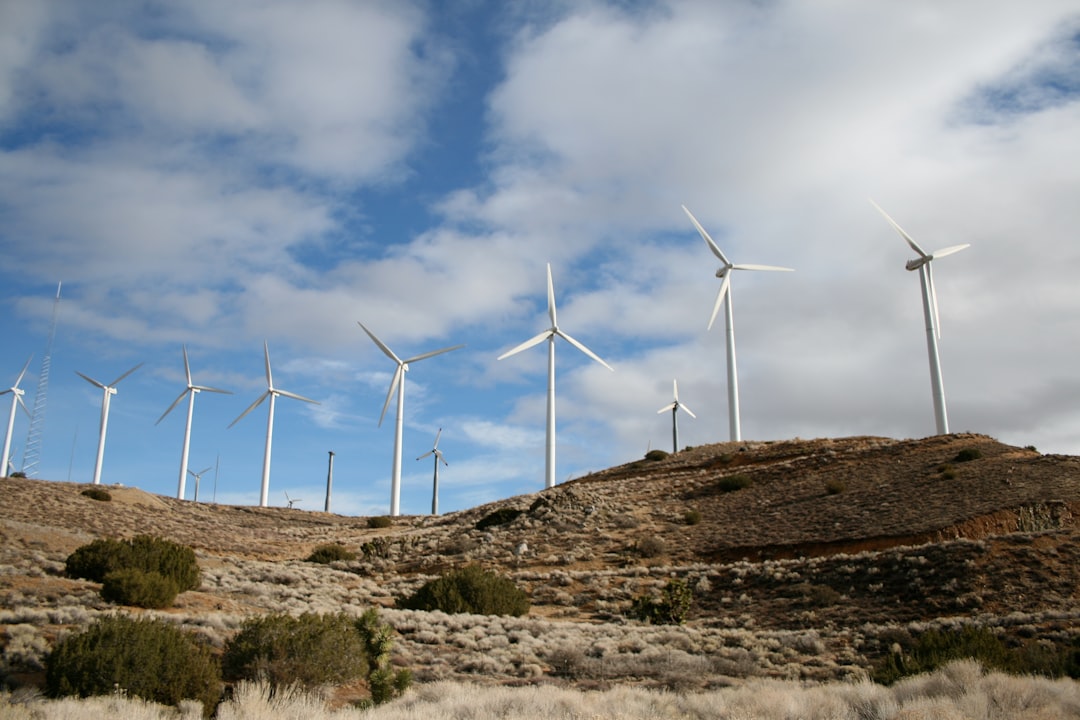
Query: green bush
[
  {"x": 671, "y": 609},
  {"x": 147, "y": 658},
  {"x": 97, "y": 493},
  {"x": 470, "y": 590},
  {"x": 731, "y": 483},
  {"x": 331, "y": 552},
  {"x": 968, "y": 454},
  {"x": 834, "y": 486},
  {"x": 499, "y": 517},
  {"x": 310, "y": 650},
  {"x": 384, "y": 682},
  {"x": 656, "y": 455},
  {"x": 139, "y": 589},
  {"x": 692, "y": 517},
  {"x": 143, "y": 552},
  {"x": 378, "y": 522}
]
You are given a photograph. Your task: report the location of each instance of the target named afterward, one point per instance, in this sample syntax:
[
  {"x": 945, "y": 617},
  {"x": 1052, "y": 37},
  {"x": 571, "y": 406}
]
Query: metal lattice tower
[{"x": 32, "y": 449}]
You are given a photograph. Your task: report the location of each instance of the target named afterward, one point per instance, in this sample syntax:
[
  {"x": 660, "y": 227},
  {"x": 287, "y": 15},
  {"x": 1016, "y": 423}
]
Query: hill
[{"x": 808, "y": 559}]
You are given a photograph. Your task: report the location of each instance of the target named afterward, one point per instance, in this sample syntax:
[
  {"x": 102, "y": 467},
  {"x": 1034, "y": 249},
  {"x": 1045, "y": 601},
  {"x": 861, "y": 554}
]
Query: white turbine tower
[
  {"x": 550, "y": 335},
  {"x": 16, "y": 400},
  {"x": 272, "y": 393},
  {"x": 724, "y": 298},
  {"x": 198, "y": 477},
  {"x": 191, "y": 391},
  {"x": 674, "y": 408},
  {"x": 398, "y": 383},
  {"x": 108, "y": 390},
  {"x": 930, "y": 314},
  {"x": 435, "y": 483}
]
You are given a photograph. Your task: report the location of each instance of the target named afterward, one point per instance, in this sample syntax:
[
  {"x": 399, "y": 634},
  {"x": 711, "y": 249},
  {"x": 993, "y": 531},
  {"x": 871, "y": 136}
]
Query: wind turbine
[
  {"x": 109, "y": 390},
  {"x": 272, "y": 393},
  {"x": 398, "y": 383},
  {"x": 930, "y": 314},
  {"x": 16, "y": 400},
  {"x": 435, "y": 485},
  {"x": 191, "y": 391},
  {"x": 724, "y": 298},
  {"x": 197, "y": 476},
  {"x": 674, "y": 408},
  {"x": 291, "y": 500},
  {"x": 550, "y": 335}
]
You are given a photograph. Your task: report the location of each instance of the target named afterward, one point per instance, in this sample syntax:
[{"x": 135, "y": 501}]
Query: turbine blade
[
  {"x": 900, "y": 230},
  {"x": 528, "y": 344},
  {"x": 251, "y": 407},
  {"x": 204, "y": 388},
  {"x": 949, "y": 250},
  {"x": 294, "y": 396},
  {"x": 90, "y": 380},
  {"x": 175, "y": 403},
  {"x": 675, "y": 387},
  {"x": 438, "y": 454},
  {"x": 708, "y": 240},
  {"x": 187, "y": 366},
  {"x": 429, "y": 452},
  {"x": 670, "y": 406},
  {"x": 551, "y": 297},
  {"x": 19, "y": 399},
  {"x": 762, "y": 267},
  {"x": 382, "y": 346},
  {"x": 269, "y": 376},
  {"x": 683, "y": 407},
  {"x": 19, "y": 380},
  {"x": 117, "y": 380},
  {"x": 583, "y": 349},
  {"x": 724, "y": 286},
  {"x": 437, "y": 436},
  {"x": 432, "y": 354},
  {"x": 390, "y": 393}
]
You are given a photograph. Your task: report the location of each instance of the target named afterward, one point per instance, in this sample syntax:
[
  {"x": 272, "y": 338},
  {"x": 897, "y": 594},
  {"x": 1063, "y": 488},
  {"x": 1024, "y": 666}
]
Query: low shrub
[
  {"x": 470, "y": 590},
  {"x": 379, "y": 522},
  {"x": 834, "y": 486},
  {"x": 309, "y": 650},
  {"x": 146, "y": 658},
  {"x": 692, "y": 517},
  {"x": 948, "y": 472},
  {"x": 656, "y": 455},
  {"x": 97, "y": 493},
  {"x": 502, "y": 516},
  {"x": 731, "y": 483},
  {"x": 671, "y": 609},
  {"x": 143, "y": 552},
  {"x": 139, "y": 589},
  {"x": 651, "y": 547},
  {"x": 331, "y": 552},
  {"x": 968, "y": 454}
]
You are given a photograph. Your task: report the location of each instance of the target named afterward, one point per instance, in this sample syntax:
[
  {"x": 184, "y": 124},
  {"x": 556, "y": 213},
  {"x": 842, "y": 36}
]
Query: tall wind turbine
[
  {"x": 191, "y": 391},
  {"x": 398, "y": 383},
  {"x": 550, "y": 334},
  {"x": 435, "y": 484},
  {"x": 674, "y": 408},
  {"x": 109, "y": 390},
  {"x": 930, "y": 314},
  {"x": 198, "y": 477},
  {"x": 724, "y": 298},
  {"x": 272, "y": 393},
  {"x": 16, "y": 400}
]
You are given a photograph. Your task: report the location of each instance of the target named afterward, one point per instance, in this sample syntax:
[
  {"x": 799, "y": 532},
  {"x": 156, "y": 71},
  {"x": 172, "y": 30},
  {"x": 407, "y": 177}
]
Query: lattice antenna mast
[{"x": 32, "y": 449}]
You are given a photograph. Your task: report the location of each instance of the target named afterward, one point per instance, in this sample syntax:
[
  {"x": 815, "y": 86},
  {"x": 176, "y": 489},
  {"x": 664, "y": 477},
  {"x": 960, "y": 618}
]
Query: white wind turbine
[
  {"x": 16, "y": 400},
  {"x": 724, "y": 298},
  {"x": 291, "y": 500},
  {"x": 435, "y": 484},
  {"x": 398, "y": 383},
  {"x": 550, "y": 335},
  {"x": 198, "y": 477},
  {"x": 191, "y": 391},
  {"x": 930, "y": 314},
  {"x": 272, "y": 393},
  {"x": 674, "y": 407},
  {"x": 109, "y": 390}
]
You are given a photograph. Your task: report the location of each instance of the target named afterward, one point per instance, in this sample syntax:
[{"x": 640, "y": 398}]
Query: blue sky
[{"x": 224, "y": 174}]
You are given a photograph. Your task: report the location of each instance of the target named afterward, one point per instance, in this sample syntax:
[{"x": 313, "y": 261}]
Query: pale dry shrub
[{"x": 25, "y": 649}]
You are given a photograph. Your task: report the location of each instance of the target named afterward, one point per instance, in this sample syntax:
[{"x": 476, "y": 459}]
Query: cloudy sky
[{"x": 224, "y": 174}]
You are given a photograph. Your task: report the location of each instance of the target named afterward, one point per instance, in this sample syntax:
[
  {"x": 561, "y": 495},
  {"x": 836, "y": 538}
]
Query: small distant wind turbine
[
  {"x": 398, "y": 383},
  {"x": 674, "y": 407},
  {"x": 16, "y": 400},
  {"x": 930, "y": 314},
  {"x": 435, "y": 484},
  {"x": 291, "y": 500},
  {"x": 198, "y": 477},
  {"x": 724, "y": 298},
  {"x": 272, "y": 393},
  {"x": 109, "y": 390},
  {"x": 550, "y": 334},
  {"x": 191, "y": 391}
]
